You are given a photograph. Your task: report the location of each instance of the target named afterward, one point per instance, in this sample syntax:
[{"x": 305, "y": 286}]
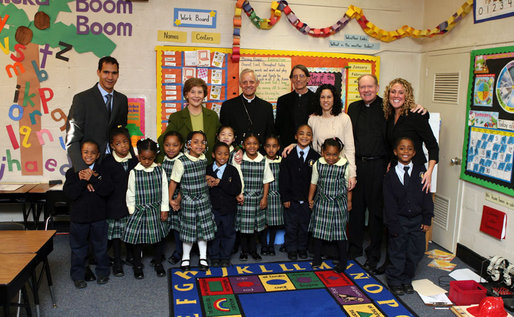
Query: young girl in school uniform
[
  {"x": 329, "y": 208},
  {"x": 196, "y": 218},
  {"x": 227, "y": 136},
  {"x": 275, "y": 210},
  {"x": 172, "y": 145},
  {"x": 251, "y": 215},
  {"x": 148, "y": 205},
  {"x": 120, "y": 162}
]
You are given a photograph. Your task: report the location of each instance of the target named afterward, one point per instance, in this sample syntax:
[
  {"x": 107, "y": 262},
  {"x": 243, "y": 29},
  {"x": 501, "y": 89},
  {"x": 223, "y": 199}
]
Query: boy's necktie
[
  {"x": 301, "y": 156},
  {"x": 406, "y": 176}
]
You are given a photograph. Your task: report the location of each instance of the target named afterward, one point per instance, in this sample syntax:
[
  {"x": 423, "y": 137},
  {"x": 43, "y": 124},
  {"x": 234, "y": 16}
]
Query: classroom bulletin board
[
  {"x": 489, "y": 137},
  {"x": 214, "y": 65}
]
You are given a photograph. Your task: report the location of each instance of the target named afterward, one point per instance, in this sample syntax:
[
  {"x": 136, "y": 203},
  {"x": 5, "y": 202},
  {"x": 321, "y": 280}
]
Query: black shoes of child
[
  {"x": 264, "y": 250},
  {"x": 315, "y": 265},
  {"x": 102, "y": 280},
  {"x": 225, "y": 263},
  {"x": 159, "y": 270},
  {"x": 271, "y": 251},
  {"x": 203, "y": 265},
  {"x": 292, "y": 256},
  {"x": 243, "y": 256},
  {"x": 302, "y": 254},
  {"x": 80, "y": 284},
  {"x": 256, "y": 256},
  {"x": 400, "y": 290},
  {"x": 117, "y": 270},
  {"x": 185, "y": 265},
  {"x": 408, "y": 289},
  {"x": 138, "y": 272},
  {"x": 173, "y": 260}
]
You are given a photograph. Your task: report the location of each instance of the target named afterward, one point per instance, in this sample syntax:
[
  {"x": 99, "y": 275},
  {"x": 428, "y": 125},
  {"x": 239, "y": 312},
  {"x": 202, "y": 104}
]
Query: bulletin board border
[{"x": 463, "y": 175}]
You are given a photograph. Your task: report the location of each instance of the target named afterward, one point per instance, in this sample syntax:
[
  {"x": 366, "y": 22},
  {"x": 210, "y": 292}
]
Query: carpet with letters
[{"x": 281, "y": 289}]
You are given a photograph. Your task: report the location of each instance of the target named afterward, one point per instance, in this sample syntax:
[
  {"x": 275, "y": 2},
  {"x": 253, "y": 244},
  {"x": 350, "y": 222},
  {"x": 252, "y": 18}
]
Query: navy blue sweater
[{"x": 223, "y": 196}]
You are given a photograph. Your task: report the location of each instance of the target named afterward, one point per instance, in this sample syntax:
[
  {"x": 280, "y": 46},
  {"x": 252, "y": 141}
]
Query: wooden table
[
  {"x": 15, "y": 271},
  {"x": 36, "y": 197},
  {"x": 34, "y": 242},
  {"x": 18, "y": 196}
]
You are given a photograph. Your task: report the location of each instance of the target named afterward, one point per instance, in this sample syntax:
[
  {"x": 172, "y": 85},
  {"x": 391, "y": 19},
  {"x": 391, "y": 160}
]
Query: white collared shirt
[
  {"x": 315, "y": 176},
  {"x": 131, "y": 189},
  {"x": 178, "y": 167},
  {"x": 401, "y": 172}
]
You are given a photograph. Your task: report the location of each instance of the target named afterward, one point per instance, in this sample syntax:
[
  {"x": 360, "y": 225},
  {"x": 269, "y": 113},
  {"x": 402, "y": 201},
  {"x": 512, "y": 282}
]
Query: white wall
[{"x": 466, "y": 37}]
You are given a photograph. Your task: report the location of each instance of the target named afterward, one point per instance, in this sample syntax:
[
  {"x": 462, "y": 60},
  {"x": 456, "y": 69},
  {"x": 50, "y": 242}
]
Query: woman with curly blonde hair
[{"x": 398, "y": 100}]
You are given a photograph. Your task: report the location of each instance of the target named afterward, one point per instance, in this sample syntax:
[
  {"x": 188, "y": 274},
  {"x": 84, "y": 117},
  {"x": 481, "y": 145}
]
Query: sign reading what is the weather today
[{"x": 195, "y": 18}]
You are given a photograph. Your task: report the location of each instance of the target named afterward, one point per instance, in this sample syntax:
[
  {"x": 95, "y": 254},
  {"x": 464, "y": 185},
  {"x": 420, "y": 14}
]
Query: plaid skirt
[
  {"x": 196, "y": 219},
  {"x": 116, "y": 227},
  {"x": 174, "y": 220},
  {"x": 275, "y": 210},
  {"x": 249, "y": 217},
  {"x": 145, "y": 225},
  {"x": 329, "y": 219}
]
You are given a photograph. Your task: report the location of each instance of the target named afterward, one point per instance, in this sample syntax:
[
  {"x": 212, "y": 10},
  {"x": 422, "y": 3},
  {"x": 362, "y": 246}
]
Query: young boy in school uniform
[
  {"x": 224, "y": 185},
  {"x": 87, "y": 191},
  {"x": 295, "y": 178},
  {"x": 408, "y": 212}
]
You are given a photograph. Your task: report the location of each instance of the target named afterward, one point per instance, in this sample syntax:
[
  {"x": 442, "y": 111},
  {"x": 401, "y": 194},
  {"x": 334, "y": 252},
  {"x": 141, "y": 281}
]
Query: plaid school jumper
[
  {"x": 145, "y": 225},
  {"x": 330, "y": 212},
  {"x": 250, "y": 218},
  {"x": 173, "y": 218},
  {"x": 275, "y": 210},
  {"x": 116, "y": 227},
  {"x": 196, "y": 217}
]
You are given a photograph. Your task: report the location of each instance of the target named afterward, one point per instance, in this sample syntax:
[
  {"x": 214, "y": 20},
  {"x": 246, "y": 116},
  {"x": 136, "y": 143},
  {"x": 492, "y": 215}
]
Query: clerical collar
[{"x": 248, "y": 100}]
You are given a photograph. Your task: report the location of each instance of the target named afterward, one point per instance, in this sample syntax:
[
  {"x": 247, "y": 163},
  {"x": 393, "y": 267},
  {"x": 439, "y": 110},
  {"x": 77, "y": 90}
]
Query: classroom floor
[{"x": 126, "y": 296}]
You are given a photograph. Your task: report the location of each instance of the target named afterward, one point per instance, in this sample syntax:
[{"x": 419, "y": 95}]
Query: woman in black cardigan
[{"x": 398, "y": 100}]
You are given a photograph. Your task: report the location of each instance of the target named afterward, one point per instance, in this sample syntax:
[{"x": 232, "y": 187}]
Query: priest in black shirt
[
  {"x": 247, "y": 112},
  {"x": 294, "y": 108}
]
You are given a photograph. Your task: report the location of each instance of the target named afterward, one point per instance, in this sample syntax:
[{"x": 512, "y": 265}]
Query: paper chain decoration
[{"x": 353, "y": 12}]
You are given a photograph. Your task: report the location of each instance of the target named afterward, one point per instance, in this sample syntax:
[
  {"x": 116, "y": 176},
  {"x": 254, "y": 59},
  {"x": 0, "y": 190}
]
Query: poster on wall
[
  {"x": 176, "y": 64},
  {"x": 489, "y": 137},
  {"x": 485, "y": 10}
]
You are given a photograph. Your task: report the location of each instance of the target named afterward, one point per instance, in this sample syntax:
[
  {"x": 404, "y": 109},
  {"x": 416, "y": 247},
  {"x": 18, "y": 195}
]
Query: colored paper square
[
  {"x": 221, "y": 305},
  {"x": 306, "y": 302},
  {"x": 246, "y": 284},
  {"x": 276, "y": 282},
  {"x": 333, "y": 279},
  {"x": 305, "y": 280},
  {"x": 363, "y": 310},
  {"x": 349, "y": 295},
  {"x": 215, "y": 286}
]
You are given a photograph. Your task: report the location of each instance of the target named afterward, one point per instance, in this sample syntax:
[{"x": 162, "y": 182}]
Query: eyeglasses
[{"x": 301, "y": 76}]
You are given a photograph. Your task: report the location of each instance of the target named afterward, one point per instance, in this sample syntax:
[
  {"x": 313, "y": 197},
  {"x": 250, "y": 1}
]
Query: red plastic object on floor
[{"x": 466, "y": 292}]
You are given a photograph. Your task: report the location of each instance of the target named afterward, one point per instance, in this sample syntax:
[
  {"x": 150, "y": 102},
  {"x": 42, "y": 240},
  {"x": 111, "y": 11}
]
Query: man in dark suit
[
  {"x": 294, "y": 108},
  {"x": 95, "y": 111},
  {"x": 247, "y": 112}
]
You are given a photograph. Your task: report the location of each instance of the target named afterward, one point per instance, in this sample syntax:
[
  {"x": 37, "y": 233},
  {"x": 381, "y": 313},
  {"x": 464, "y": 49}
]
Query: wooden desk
[
  {"x": 36, "y": 198},
  {"x": 18, "y": 196},
  {"x": 34, "y": 242},
  {"x": 15, "y": 271}
]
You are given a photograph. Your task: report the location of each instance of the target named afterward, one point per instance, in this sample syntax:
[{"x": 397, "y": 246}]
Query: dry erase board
[
  {"x": 489, "y": 136},
  {"x": 176, "y": 64}
]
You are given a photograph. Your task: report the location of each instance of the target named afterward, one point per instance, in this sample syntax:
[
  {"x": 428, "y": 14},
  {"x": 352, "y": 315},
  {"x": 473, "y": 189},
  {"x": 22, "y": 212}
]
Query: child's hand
[
  {"x": 85, "y": 174},
  {"x": 164, "y": 215},
  {"x": 240, "y": 199},
  {"x": 216, "y": 182},
  {"x": 311, "y": 204},
  {"x": 264, "y": 203},
  {"x": 287, "y": 204},
  {"x": 238, "y": 157},
  {"x": 90, "y": 188},
  {"x": 209, "y": 180},
  {"x": 175, "y": 205}
]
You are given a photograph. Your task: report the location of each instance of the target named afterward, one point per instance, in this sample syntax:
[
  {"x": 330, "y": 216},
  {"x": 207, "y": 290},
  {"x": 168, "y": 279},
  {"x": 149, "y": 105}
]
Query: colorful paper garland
[{"x": 353, "y": 12}]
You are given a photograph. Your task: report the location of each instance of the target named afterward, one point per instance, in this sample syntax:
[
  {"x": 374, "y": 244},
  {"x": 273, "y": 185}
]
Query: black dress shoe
[
  {"x": 102, "y": 280},
  {"x": 117, "y": 270},
  {"x": 225, "y": 263},
  {"x": 380, "y": 270},
  {"x": 256, "y": 256},
  {"x": 243, "y": 256},
  {"x": 215, "y": 262},
  {"x": 369, "y": 266},
  {"x": 159, "y": 270},
  {"x": 80, "y": 284},
  {"x": 154, "y": 263},
  {"x": 173, "y": 260},
  {"x": 264, "y": 250},
  {"x": 90, "y": 276},
  {"x": 408, "y": 289},
  {"x": 339, "y": 268},
  {"x": 302, "y": 254},
  {"x": 282, "y": 248},
  {"x": 138, "y": 272},
  {"x": 185, "y": 265},
  {"x": 291, "y": 256},
  {"x": 397, "y": 290},
  {"x": 271, "y": 251},
  {"x": 203, "y": 265}
]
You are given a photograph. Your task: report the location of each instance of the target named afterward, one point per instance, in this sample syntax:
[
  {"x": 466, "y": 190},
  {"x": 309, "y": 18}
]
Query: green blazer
[{"x": 181, "y": 122}]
